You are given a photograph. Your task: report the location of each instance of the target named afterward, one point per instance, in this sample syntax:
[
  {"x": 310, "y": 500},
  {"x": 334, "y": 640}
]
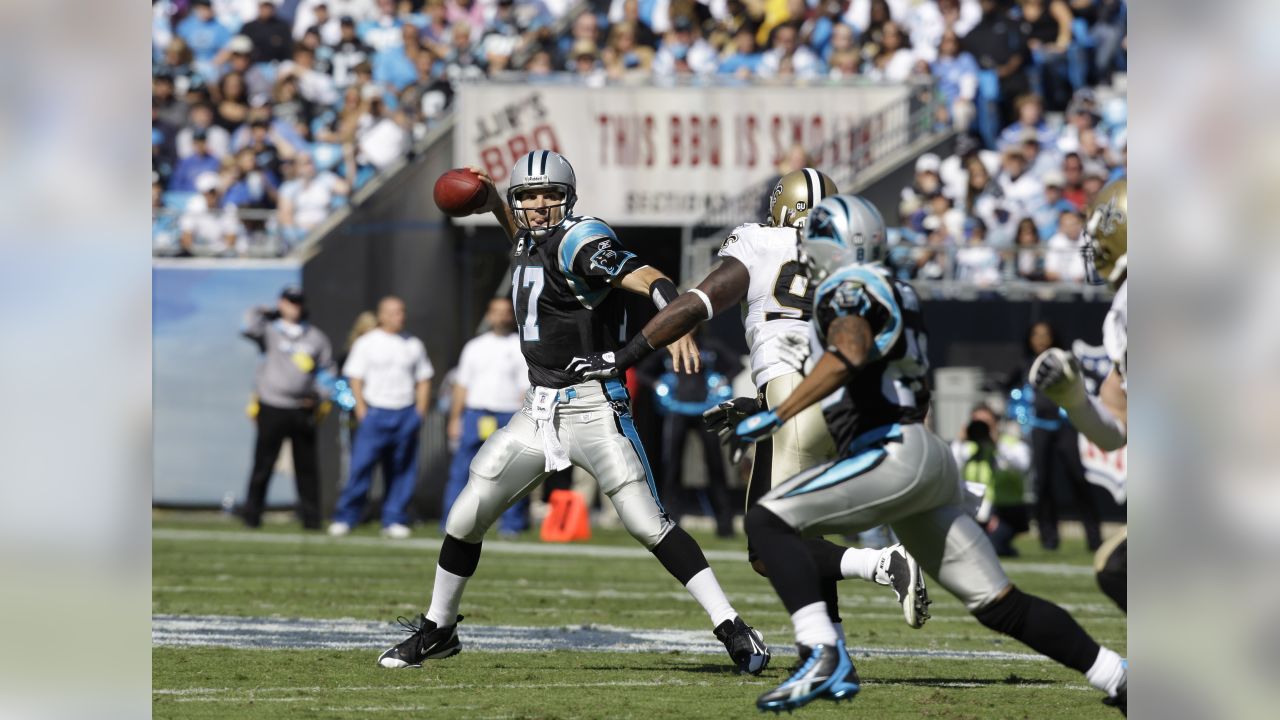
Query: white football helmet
[
  {"x": 841, "y": 230},
  {"x": 541, "y": 170}
]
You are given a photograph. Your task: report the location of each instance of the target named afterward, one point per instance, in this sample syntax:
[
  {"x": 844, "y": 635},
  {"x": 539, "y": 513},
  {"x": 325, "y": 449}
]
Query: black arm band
[
  {"x": 633, "y": 352},
  {"x": 833, "y": 350},
  {"x": 663, "y": 291}
]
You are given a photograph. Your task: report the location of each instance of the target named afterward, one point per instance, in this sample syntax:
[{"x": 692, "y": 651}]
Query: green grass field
[{"x": 205, "y": 565}]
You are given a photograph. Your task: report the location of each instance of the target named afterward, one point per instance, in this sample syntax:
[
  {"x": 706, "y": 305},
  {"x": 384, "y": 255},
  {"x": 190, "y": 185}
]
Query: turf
[{"x": 206, "y": 565}]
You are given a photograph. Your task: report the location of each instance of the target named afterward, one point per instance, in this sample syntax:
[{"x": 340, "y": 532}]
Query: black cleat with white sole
[
  {"x": 899, "y": 571},
  {"x": 745, "y": 645},
  {"x": 426, "y": 641}
]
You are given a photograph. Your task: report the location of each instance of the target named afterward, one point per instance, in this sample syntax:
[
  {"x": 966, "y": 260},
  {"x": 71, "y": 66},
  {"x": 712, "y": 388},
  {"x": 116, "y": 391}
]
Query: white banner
[{"x": 661, "y": 156}]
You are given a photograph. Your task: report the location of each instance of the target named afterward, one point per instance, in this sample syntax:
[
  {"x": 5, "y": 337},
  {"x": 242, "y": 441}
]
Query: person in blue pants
[
  {"x": 390, "y": 377},
  {"x": 488, "y": 388}
]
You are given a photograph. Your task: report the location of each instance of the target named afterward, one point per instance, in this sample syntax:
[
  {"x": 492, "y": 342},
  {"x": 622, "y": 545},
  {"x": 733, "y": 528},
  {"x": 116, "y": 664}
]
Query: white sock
[
  {"x": 813, "y": 625},
  {"x": 859, "y": 563},
  {"x": 706, "y": 590},
  {"x": 446, "y": 595},
  {"x": 1107, "y": 671}
]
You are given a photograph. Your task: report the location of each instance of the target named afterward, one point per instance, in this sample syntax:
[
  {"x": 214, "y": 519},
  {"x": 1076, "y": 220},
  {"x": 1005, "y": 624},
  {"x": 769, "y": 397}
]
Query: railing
[
  {"x": 254, "y": 233},
  {"x": 938, "y": 272}
]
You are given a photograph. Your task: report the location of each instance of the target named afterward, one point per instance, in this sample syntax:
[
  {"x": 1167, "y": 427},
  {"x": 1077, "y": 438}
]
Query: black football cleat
[
  {"x": 745, "y": 645},
  {"x": 425, "y": 642}
]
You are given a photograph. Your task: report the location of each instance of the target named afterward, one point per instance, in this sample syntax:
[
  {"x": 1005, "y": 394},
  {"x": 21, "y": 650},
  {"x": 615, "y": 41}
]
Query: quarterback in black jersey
[
  {"x": 891, "y": 469},
  {"x": 566, "y": 268}
]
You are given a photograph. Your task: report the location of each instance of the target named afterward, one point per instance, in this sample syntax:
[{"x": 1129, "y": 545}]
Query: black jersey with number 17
[{"x": 564, "y": 304}]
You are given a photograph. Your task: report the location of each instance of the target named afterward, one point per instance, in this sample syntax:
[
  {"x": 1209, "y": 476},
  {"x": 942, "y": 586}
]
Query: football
[{"x": 460, "y": 192}]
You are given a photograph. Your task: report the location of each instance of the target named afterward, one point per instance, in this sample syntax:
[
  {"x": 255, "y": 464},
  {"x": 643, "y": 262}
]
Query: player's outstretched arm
[
  {"x": 496, "y": 205},
  {"x": 723, "y": 287},
  {"x": 657, "y": 286},
  {"x": 677, "y": 317},
  {"x": 1056, "y": 373}
]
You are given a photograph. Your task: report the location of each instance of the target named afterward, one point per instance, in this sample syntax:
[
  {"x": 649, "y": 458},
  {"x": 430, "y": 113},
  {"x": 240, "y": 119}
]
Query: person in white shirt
[
  {"x": 977, "y": 262},
  {"x": 1062, "y": 258},
  {"x": 488, "y": 389},
  {"x": 308, "y": 198},
  {"x": 391, "y": 378},
  {"x": 205, "y": 227}
]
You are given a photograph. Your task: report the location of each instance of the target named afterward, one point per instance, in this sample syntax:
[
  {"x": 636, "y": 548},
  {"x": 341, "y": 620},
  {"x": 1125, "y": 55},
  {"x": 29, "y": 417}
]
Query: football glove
[
  {"x": 753, "y": 430},
  {"x": 596, "y": 366},
  {"x": 723, "y": 418},
  {"x": 793, "y": 349},
  {"x": 1056, "y": 373}
]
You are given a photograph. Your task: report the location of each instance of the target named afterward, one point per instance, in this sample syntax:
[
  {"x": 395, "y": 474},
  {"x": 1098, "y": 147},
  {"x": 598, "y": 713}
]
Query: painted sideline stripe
[
  {"x": 313, "y": 634},
  {"x": 515, "y": 548}
]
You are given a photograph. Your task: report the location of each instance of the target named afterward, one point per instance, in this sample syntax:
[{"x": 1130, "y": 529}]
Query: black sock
[
  {"x": 1113, "y": 578},
  {"x": 826, "y": 558},
  {"x": 792, "y": 571},
  {"x": 459, "y": 558},
  {"x": 1043, "y": 627},
  {"x": 680, "y": 555}
]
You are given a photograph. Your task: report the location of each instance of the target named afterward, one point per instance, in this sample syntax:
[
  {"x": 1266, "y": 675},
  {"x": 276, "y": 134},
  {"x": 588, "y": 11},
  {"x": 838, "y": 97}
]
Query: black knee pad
[
  {"x": 458, "y": 557},
  {"x": 1042, "y": 626}
]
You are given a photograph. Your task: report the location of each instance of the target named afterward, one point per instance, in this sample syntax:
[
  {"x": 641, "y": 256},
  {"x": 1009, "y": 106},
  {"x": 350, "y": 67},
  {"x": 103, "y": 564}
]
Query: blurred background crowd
[{"x": 267, "y": 115}]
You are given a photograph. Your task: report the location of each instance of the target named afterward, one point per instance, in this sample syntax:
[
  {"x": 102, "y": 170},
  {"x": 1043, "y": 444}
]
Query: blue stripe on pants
[
  {"x": 618, "y": 392},
  {"x": 516, "y": 518},
  {"x": 389, "y": 438}
]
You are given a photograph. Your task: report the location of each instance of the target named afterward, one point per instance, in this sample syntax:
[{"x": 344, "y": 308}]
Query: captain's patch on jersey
[{"x": 609, "y": 260}]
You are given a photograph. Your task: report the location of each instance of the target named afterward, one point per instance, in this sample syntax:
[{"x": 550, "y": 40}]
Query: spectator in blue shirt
[
  {"x": 957, "y": 74},
  {"x": 744, "y": 60},
  {"x": 1030, "y": 109},
  {"x": 394, "y": 65},
  {"x": 191, "y": 166},
  {"x": 1046, "y": 216},
  {"x": 204, "y": 35}
]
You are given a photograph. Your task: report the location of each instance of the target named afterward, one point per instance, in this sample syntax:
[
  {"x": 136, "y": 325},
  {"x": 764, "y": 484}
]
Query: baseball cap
[
  {"x": 206, "y": 181},
  {"x": 293, "y": 293},
  {"x": 1055, "y": 178},
  {"x": 928, "y": 162},
  {"x": 240, "y": 44},
  {"x": 682, "y": 23},
  {"x": 199, "y": 134}
]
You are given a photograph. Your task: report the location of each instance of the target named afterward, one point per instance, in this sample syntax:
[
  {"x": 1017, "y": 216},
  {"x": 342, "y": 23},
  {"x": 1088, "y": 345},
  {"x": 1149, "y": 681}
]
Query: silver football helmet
[
  {"x": 841, "y": 230},
  {"x": 542, "y": 170}
]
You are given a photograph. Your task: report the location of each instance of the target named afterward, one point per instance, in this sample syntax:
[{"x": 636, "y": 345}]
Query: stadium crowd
[{"x": 267, "y": 114}]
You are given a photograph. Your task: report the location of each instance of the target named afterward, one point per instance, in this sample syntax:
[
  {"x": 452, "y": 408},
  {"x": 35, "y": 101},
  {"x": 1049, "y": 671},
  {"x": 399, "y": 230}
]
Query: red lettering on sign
[
  {"x": 544, "y": 137},
  {"x": 713, "y": 135},
  {"x": 775, "y": 133},
  {"x": 603, "y": 122},
  {"x": 751, "y": 140},
  {"x": 518, "y": 145},
  {"x": 695, "y": 141},
  {"x": 494, "y": 163},
  {"x": 648, "y": 141},
  {"x": 675, "y": 140}
]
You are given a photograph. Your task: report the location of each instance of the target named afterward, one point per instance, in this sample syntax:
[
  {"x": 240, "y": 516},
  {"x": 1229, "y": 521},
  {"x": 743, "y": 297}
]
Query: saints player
[
  {"x": 1056, "y": 373},
  {"x": 761, "y": 269},
  {"x": 566, "y": 269},
  {"x": 891, "y": 469}
]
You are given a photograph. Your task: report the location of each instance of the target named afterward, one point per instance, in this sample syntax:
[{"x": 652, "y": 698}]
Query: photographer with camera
[
  {"x": 296, "y": 357},
  {"x": 999, "y": 462}
]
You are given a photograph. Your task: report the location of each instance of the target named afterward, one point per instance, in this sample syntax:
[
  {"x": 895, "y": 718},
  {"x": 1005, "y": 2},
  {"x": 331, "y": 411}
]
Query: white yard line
[
  {"x": 514, "y": 548},
  {"x": 316, "y": 634}
]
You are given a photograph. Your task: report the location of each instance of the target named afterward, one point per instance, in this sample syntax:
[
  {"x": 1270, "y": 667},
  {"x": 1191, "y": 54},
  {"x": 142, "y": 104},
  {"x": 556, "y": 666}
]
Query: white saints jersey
[
  {"x": 1115, "y": 333},
  {"x": 779, "y": 299}
]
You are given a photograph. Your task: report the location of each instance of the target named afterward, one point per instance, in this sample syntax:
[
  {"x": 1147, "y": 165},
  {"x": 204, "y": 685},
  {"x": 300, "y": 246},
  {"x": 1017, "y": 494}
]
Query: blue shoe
[
  {"x": 851, "y": 685},
  {"x": 821, "y": 672}
]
